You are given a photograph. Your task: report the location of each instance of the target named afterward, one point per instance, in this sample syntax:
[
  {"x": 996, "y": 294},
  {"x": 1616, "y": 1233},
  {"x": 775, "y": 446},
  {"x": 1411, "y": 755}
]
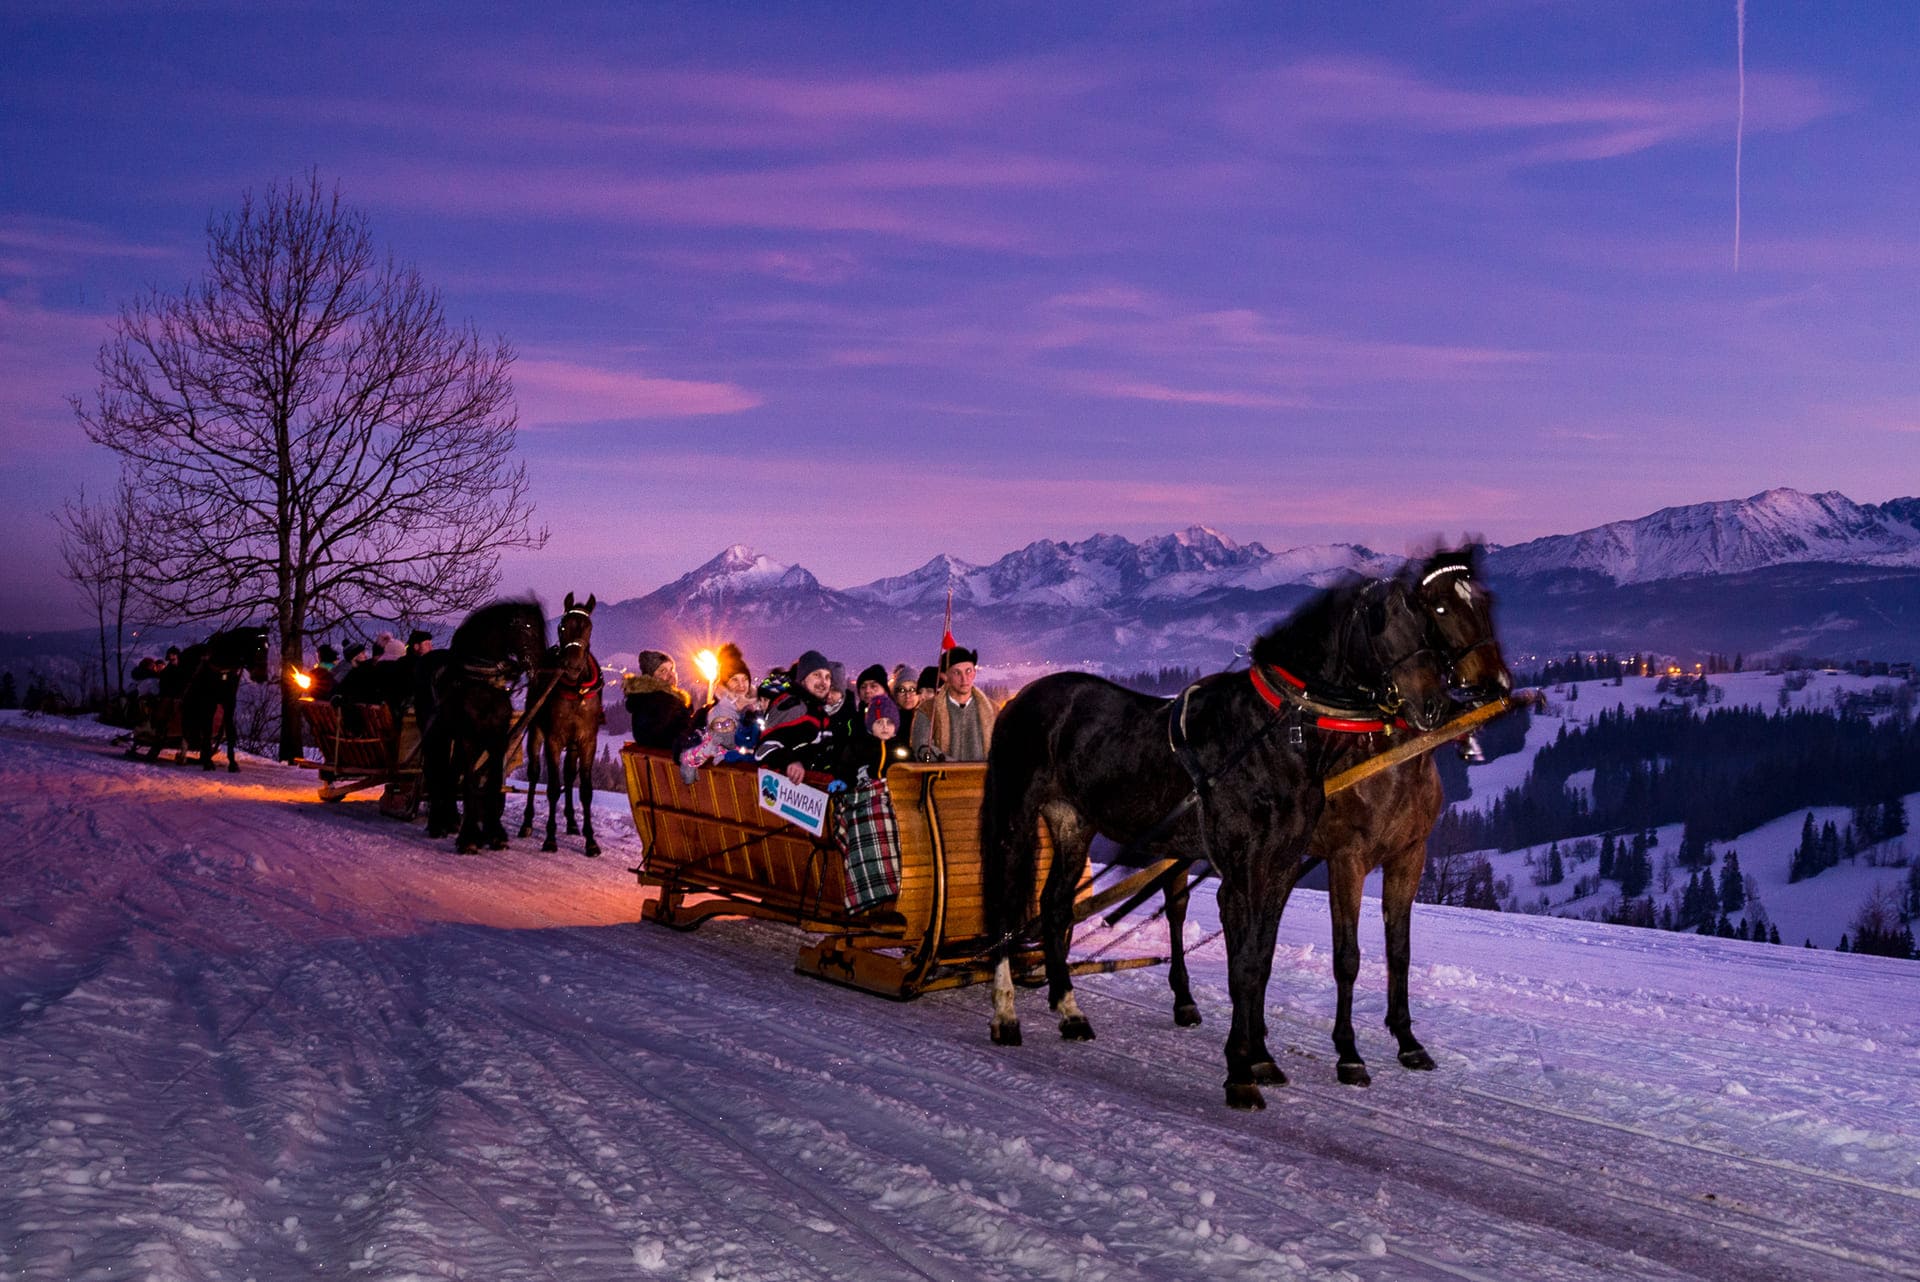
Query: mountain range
[{"x": 1780, "y": 572}]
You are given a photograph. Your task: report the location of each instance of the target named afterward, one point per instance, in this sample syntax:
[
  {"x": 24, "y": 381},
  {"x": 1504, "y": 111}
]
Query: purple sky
[{"x": 861, "y": 283}]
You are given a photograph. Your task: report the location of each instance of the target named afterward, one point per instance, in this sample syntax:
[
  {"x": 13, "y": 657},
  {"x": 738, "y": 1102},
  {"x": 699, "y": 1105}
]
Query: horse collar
[{"x": 1290, "y": 692}]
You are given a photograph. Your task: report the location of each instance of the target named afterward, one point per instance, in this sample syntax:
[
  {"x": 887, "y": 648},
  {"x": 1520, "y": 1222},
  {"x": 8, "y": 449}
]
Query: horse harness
[{"x": 1295, "y": 703}]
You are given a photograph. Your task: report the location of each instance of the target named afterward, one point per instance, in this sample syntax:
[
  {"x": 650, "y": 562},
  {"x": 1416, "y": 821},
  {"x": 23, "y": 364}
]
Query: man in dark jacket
[
  {"x": 799, "y": 735},
  {"x": 659, "y": 707}
]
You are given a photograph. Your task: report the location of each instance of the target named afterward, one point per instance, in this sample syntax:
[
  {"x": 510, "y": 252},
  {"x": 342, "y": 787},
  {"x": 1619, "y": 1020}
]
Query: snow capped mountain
[
  {"x": 1753, "y": 575},
  {"x": 738, "y": 573},
  {"x": 1734, "y": 536}
]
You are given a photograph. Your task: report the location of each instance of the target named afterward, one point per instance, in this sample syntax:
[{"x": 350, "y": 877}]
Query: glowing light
[
  {"x": 709, "y": 664},
  {"x": 300, "y": 679}
]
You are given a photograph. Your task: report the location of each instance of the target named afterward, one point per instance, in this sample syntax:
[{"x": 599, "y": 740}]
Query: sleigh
[
  {"x": 711, "y": 851},
  {"x": 364, "y": 745},
  {"x": 157, "y": 727}
]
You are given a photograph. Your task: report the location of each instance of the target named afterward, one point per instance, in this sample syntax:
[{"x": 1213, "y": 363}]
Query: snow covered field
[
  {"x": 1819, "y": 909},
  {"x": 243, "y": 1035}
]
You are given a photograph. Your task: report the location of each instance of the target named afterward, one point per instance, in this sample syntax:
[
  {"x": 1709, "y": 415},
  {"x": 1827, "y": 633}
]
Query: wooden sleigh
[
  {"x": 366, "y": 748},
  {"x": 710, "y": 850},
  {"x": 158, "y": 727}
]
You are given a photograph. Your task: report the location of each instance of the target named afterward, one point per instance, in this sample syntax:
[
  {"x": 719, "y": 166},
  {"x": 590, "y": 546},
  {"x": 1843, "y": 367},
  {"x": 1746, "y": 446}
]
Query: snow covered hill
[
  {"x": 243, "y": 1035},
  {"x": 1818, "y": 909}
]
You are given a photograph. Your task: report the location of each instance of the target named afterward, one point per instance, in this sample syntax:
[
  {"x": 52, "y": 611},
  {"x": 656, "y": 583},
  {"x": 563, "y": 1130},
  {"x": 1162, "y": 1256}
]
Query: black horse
[
  {"x": 1383, "y": 821},
  {"x": 213, "y": 683},
  {"x": 1232, "y": 769},
  {"x": 564, "y": 732},
  {"x": 464, "y": 748}
]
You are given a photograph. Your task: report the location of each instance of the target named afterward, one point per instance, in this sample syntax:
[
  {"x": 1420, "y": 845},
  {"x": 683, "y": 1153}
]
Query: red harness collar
[{"x": 1275, "y": 698}]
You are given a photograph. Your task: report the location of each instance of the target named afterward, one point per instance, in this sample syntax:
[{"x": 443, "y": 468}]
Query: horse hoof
[
  {"x": 466, "y": 848},
  {"x": 1245, "y": 1096},
  {"x": 549, "y": 845},
  {"x": 498, "y": 843},
  {"x": 572, "y": 831},
  {"x": 233, "y": 767},
  {"x": 1186, "y": 1015},
  {"x": 1076, "y": 1029},
  {"x": 1354, "y": 1073},
  {"x": 1007, "y": 1034},
  {"x": 526, "y": 831},
  {"x": 592, "y": 851},
  {"x": 1267, "y": 1073},
  {"x": 1417, "y": 1058}
]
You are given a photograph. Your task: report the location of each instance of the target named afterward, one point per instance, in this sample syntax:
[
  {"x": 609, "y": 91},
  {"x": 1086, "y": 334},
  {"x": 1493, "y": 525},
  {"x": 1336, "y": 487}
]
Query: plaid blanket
[{"x": 869, "y": 836}]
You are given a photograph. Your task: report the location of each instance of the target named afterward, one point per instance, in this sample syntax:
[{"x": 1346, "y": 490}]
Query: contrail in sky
[{"x": 1740, "y": 123}]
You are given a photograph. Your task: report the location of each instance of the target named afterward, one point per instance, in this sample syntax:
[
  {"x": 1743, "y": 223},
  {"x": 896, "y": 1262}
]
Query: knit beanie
[
  {"x": 929, "y": 679},
  {"x": 882, "y": 706},
  {"x": 651, "y": 661},
  {"x": 874, "y": 673},
  {"x": 811, "y": 661},
  {"x": 730, "y": 661}
]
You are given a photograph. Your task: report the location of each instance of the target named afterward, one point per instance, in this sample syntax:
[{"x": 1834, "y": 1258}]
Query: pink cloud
[
  {"x": 558, "y": 391},
  {"x": 1138, "y": 391},
  {"x": 1580, "y": 124}
]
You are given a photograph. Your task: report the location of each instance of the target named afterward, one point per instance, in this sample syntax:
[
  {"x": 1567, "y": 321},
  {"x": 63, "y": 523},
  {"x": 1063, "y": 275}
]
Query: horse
[
  {"x": 466, "y": 742},
  {"x": 1234, "y": 766},
  {"x": 1384, "y": 820},
  {"x": 213, "y": 682},
  {"x": 565, "y": 728}
]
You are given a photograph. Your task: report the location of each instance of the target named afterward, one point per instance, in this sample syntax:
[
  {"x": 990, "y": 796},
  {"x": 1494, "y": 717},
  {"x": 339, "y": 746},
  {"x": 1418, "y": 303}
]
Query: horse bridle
[
  {"x": 1451, "y": 659},
  {"x": 1387, "y": 695}
]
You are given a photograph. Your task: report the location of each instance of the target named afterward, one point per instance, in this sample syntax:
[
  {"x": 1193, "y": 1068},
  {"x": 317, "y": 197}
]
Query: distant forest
[{"x": 1721, "y": 774}]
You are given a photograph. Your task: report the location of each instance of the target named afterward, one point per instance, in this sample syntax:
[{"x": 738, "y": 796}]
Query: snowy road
[{"x": 244, "y": 1035}]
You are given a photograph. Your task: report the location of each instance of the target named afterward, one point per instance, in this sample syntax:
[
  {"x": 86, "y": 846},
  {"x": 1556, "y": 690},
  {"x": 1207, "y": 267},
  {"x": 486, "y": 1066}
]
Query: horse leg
[
  {"x": 1010, "y": 846},
  {"x": 1186, "y": 1012},
  {"x": 1402, "y": 879},
  {"x": 556, "y": 782},
  {"x": 1071, "y": 838},
  {"x": 566, "y": 793},
  {"x": 1252, "y": 921},
  {"x": 1345, "y": 879},
  {"x": 473, "y": 823},
  {"x": 231, "y": 709},
  {"x": 436, "y": 773},
  {"x": 586, "y": 808},
  {"x": 534, "y": 750},
  {"x": 494, "y": 798}
]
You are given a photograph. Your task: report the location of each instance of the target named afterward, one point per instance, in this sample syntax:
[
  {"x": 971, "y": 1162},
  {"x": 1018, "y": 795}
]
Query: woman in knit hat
[{"x": 661, "y": 710}]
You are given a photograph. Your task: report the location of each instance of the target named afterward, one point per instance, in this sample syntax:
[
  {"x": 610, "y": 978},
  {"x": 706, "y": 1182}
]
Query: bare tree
[
  {"x": 96, "y": 553},
  {"x": 305, "y": 433}
]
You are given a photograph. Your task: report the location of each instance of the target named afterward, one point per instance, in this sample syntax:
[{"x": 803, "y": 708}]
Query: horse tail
[{"x": 1009, "y": 828}]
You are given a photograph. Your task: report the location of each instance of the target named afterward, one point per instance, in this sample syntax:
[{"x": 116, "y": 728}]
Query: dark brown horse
[
  {"x": 1233, "y": 769},
  {"x": 464, "y": 748},
  {"x": 564, "y": 732},
  {"x": 1383, "y": 821},
  {"x": 213, "y": 685}
]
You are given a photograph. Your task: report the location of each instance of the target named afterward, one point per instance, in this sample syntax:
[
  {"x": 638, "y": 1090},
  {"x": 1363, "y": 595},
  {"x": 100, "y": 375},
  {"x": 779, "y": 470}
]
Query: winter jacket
[
  {"x": 932, "y": 728},
  {"x": 661, "y": 717},
  {"x": 798, "y": 729}
]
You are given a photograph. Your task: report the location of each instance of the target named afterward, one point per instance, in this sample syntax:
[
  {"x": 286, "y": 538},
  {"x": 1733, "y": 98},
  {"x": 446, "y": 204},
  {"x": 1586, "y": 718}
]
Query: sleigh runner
[{"x": 710, "y": 850}]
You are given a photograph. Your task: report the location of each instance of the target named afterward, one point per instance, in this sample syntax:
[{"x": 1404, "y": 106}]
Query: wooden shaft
[{"x": 1416, "y": 746}]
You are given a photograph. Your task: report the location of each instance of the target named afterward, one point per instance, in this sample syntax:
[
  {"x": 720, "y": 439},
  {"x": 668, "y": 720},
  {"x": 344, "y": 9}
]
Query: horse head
[
  {"x": 1458, "y": 606},
  {"x": 1365, "y": 646},
  {"x": 576, "y": 625},
  {"x": 510, "y": 632},
  {"x": 1390, "y": 638}
]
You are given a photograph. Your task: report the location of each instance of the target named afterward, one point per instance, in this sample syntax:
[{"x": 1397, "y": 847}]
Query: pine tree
[
  {"x": 1893, "y": 818},
  {"x": 1806, "y": 855},
  {"x": 1479, "y": 892},
  {"x": 9, "y": 696},
  {"x": 1773, "y": 934},
  {"x": 1607, "y": 852},
  {"x": 1556, "y": 868},
  {"x": 1733, "y": 890}
]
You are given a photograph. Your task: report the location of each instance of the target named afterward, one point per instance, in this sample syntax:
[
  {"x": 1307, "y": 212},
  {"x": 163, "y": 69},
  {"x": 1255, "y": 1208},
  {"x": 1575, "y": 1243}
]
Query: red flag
[{"x": 946, "y": 638}]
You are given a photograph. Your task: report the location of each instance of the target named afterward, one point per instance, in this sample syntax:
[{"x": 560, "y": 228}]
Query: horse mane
[
  {"x": 1309, "y": 626},
  {"x": 495, "y": 615}
]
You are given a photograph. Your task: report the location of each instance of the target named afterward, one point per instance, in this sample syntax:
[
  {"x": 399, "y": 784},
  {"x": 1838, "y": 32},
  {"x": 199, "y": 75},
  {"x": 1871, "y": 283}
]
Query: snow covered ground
[{"x": 245, "y": 1035}]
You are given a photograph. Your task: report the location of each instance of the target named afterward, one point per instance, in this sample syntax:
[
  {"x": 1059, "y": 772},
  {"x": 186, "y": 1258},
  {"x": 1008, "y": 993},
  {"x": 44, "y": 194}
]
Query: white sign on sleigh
[{"x": 795, "y": 802}]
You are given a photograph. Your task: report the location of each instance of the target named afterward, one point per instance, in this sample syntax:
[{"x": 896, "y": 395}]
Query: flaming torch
[
  {"x": 301, "y": 681},
  {"x": 709, "y": 665}
]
